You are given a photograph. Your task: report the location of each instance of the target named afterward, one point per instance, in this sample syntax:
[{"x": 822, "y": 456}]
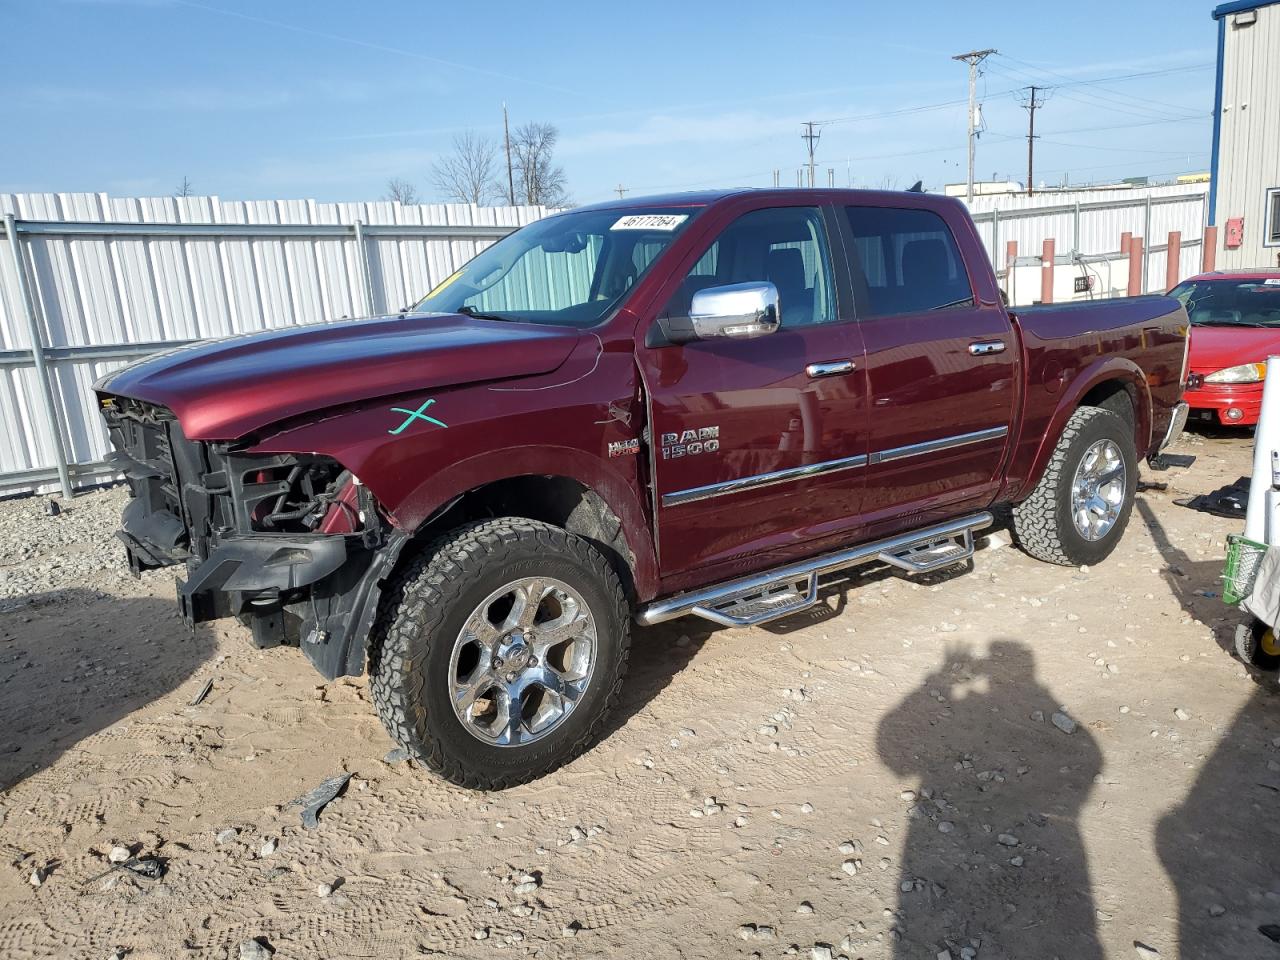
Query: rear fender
[{"x": 1036, "y": 445}]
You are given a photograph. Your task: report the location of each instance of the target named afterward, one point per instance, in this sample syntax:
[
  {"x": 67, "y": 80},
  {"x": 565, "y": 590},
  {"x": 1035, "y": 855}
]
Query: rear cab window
[{"x": 909, "y": 260}]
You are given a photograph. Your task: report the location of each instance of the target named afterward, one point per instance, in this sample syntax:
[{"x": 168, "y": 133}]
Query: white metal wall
[
  {"x": 1249, "y": 135},
  {"x": 1086, "y": 226},
  {"x": 104, "y": 295}
]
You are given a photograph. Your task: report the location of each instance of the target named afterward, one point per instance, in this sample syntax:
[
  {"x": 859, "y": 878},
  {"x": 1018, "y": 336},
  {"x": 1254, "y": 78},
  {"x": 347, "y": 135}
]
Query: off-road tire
[
  {"x": 424, "y": 608},
  {"x": 1043, "y": 524}
]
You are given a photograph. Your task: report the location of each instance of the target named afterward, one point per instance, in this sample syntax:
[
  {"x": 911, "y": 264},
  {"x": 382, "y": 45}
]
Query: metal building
[{"x": 1245, "y": 190}]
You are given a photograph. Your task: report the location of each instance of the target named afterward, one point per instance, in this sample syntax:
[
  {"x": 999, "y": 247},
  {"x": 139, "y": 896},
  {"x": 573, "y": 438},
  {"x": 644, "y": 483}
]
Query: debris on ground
[
  {"x": 255, "y": 949},
  {"x": 204, "y": 692},
  {"x": 1228, "y": 501},
  {"x": 316, "y": 799}
]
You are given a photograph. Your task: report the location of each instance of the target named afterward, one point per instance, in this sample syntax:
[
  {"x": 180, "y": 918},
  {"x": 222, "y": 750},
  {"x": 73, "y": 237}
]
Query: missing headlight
[{"x": 287, "y": 494}]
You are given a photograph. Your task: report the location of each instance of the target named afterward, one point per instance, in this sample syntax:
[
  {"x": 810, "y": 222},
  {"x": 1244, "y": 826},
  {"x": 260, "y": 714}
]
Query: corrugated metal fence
[
  {"x": 100, "y": 280},
  {"x": 1087, "y": 224},
  {"x": 96, "y": 281}
]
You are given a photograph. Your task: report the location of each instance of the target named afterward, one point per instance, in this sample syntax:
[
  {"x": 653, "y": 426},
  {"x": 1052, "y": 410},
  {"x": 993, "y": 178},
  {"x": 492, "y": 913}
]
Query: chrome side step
[
  {"x": 928, "y": 557},
  {"x": 766, "y": 596}
]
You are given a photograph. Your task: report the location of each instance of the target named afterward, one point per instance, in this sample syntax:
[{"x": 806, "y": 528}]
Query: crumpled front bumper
[{"x": 242, "y": 569}]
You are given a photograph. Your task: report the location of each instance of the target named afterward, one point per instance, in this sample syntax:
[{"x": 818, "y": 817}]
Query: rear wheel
[
  {"x": 500, "y": 651},
  {"x": 1079, "y": 509}
]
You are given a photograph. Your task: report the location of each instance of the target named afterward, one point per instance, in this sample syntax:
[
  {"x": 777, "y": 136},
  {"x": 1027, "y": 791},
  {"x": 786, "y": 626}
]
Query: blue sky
[{"x": 330, "y": 98}]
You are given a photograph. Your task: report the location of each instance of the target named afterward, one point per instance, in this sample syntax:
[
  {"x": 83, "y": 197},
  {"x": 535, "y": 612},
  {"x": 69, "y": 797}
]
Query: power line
[
  {"x": 1069, "y": 82},
  {"x": 1127, "y": 126},
  {"x": 943, "y": 104},
  {"x": 1088, "y": 99}
]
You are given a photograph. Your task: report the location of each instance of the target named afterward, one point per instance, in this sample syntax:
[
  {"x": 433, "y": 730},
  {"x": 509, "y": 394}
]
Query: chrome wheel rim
[
  {"x": 1097, "y": 493},
  {"x": 522, "y": 661}
]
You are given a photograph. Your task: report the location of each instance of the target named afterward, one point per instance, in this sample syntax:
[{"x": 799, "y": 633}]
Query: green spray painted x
[{"x": 414, "y": 415}]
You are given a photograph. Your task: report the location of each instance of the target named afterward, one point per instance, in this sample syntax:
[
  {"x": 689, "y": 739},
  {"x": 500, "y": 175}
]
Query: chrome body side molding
[
  {"x": 761, "y": 480},
  {"x": 758, "y": 480}
]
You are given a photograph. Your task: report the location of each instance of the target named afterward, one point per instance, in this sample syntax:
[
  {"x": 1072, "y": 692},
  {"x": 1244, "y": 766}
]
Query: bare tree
[
  {"x": 184, "y": 188},
  {"x": 469, "y": 173},
  {"x": 538, "y": 179},
  {"x": 401, "y": 190}
]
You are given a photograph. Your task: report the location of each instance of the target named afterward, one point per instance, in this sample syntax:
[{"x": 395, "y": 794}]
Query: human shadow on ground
[
  {"x": 1219, "y": 845},
  {"x": 74, "y": 662},
  {"x": 993, "y": 861},
  {"x": 1195, "y": 584}
]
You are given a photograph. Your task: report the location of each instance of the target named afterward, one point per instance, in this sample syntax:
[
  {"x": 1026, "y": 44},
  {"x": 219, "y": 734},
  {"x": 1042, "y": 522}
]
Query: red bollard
[
  {"x": 1173, "y": 260},
  {"x": 1125, "y": 239},
  {"x": 1209, "y": 250},
  {"x": 1046, "y": 272},
  {"x": 1010, "y": 255},
  {"x": 1136, "y": 280}
]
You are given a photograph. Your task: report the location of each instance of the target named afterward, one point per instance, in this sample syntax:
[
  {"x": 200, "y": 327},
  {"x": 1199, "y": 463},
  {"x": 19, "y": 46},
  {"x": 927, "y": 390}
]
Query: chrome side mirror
[{"x": 741, "y": 310}]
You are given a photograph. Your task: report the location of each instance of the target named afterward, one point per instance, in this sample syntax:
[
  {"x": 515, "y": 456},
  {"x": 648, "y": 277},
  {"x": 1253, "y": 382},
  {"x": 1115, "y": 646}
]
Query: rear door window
[{"x": 910, "y": 261}]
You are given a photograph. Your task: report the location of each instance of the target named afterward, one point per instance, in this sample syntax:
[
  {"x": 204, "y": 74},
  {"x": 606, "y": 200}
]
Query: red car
[
  {"x": 1235, "y": 326},
  {"x": 687, "y": 405}
]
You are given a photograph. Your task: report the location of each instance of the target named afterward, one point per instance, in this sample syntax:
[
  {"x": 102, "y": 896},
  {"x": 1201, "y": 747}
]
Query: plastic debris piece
[
  {"x": 204, "y": 692},
  {"x": 315, "y": 800}
]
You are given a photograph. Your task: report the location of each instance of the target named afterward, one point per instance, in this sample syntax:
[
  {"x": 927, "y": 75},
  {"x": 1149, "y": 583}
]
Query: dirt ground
[{"x": 885, "y": 780}]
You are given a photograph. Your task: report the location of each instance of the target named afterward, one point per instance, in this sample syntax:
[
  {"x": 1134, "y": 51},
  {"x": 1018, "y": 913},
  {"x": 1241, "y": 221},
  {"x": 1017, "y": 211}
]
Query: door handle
[
  {"x": 829, "y": 368},
  {"x": 986, "y": 347}
]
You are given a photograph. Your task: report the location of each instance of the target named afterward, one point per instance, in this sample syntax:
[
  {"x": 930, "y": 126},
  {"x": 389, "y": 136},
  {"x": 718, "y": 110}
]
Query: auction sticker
[{"x": 650, "y": 221}]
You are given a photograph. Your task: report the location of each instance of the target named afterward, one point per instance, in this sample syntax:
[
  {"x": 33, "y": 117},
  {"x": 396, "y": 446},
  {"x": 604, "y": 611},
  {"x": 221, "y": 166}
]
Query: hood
[
  {"x": 224, "y": 389},
  {"x": 1213, "y": 348}
]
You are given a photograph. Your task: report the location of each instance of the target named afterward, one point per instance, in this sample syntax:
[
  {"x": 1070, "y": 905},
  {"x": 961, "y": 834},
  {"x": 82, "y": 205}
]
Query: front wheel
[
  {"x": 499, "y": 652},
  {"x": 1078, "y": 511}
]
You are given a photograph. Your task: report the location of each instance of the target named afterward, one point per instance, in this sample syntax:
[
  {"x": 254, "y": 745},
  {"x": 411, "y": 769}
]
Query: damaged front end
[{"x": 292, "y": 545}]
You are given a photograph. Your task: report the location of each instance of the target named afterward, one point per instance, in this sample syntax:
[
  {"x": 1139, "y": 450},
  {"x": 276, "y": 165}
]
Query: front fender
[{"x": 559, "y": 425}]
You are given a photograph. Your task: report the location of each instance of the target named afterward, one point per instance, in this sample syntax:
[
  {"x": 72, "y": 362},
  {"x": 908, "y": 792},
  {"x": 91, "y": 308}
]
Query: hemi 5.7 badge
[
  {"x": 690, "y": 443},
  {"x": 624, "y": 448}
]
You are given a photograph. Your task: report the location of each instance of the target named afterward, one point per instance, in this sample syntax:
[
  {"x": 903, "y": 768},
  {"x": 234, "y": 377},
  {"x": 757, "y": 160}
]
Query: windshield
[
  {"x": 1231, "y": 302},
  {"x": 571, "y": 269}
]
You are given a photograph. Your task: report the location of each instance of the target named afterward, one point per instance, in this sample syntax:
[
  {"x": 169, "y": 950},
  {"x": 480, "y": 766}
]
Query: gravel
[{"x": 42, "y": 556}]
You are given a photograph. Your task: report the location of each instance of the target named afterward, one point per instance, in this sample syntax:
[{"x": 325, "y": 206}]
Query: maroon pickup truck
[{"x": 692, "y": 405}]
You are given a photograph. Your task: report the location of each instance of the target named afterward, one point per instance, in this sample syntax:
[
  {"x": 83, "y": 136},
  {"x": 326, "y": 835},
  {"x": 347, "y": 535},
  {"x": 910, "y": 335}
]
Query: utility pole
[
  {"x": 621, "y": 191},
  {"x": 972, "y": 58},
  {"x": 812, "y": 139},
  {"x": 506, "y": 136},
  {"x": 1035, "y": 100}
]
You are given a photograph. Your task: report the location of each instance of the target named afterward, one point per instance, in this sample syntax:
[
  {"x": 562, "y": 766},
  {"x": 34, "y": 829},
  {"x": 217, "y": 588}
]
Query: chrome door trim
[
  {"x": 758, "y": 480},
  {"x": 942, "y": 443},
  {"x": 762, "y": 480},
  {"x": 829, "y": 368}
]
